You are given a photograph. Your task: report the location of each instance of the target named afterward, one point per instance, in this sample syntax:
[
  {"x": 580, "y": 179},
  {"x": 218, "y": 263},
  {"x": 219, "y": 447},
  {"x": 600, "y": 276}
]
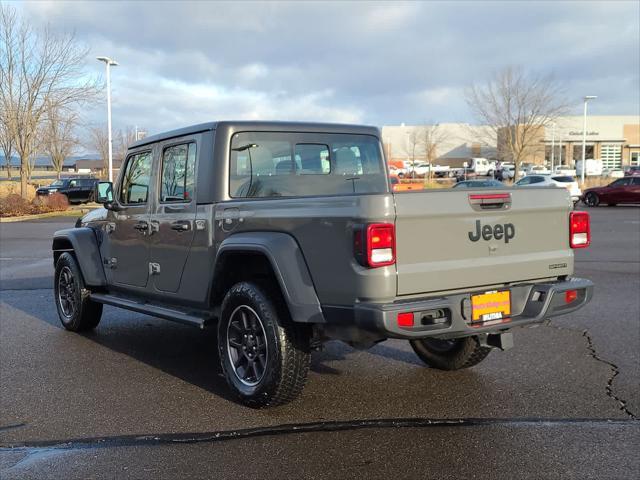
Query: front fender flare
[
  {"x": 288, "y": 264},
  {"x": 84, "y": 244}
]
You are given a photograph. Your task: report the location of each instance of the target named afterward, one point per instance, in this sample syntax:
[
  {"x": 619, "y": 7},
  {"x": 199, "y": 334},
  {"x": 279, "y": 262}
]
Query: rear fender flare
[
  {"x": 83, "y": 243},
  {"x": 288, "y": 265}
]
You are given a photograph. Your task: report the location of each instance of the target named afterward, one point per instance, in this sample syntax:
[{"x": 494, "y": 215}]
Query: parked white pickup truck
[{"x": 423, "y": 170}]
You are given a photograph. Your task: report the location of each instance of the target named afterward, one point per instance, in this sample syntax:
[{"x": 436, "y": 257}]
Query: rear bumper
[{"x": 530, "y": 303}]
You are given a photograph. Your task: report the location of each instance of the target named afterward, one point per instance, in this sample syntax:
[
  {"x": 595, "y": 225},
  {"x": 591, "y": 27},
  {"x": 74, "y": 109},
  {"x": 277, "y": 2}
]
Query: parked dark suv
[{"x": 77, "y": 190}]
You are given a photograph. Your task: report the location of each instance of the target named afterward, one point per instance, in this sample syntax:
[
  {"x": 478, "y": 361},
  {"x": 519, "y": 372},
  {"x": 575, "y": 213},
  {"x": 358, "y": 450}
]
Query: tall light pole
[
  {"x": 109, "y": 62},
  {"x": 584, "y": 137},
  {"x": 553, "y": 144}
]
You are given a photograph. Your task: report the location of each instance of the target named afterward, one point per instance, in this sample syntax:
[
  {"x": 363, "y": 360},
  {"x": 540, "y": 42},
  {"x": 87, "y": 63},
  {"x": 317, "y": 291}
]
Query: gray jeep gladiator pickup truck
[{"x": 285, "y": 235}]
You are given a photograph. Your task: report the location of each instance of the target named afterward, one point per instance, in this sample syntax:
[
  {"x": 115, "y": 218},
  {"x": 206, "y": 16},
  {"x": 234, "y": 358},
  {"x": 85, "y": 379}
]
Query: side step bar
[{"x": 162, "y": 312}]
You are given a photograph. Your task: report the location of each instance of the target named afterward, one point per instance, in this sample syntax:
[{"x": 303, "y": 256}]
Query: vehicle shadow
[
  {"x": 28, "y": 283},
  {"x": 179, "y": 350}
]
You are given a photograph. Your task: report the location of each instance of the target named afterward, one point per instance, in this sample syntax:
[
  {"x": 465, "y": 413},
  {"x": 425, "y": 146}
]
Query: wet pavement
[{"x": 141, "y": 397}]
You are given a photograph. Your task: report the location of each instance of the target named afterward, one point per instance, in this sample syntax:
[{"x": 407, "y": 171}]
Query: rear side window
[
  {"x": 178, "y": 173},
  {"x": 135, "y": 181},
  {"x": 269, "y": 164},
  {"x": 622, "y": 182},
  {"x": 564, "y": 179}
]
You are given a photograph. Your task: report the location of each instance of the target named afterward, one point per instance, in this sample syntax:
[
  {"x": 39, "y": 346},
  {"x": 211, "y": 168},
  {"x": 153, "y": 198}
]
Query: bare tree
[
  {"x": 6, "y": 143},
  {"x": 58, "y": 136},
  {"x": 430, "y": 137},
  {"x": 422, "y": 142},
  {"x": 123, "y": 139},
  {"x": 413, "y": 147},
  {"x": 517, "y": 106},
  {"x": 99, "y": 141},
  {"x": 38, "y": 70}
]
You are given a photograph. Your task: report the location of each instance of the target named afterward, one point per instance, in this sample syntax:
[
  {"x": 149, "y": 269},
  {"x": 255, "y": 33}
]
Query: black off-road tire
[
  {"x": 283, "y": 357},
  {"x": 450, "y": 354},
  {"x": 592, "y": 199},
  {"x": 76, "y": 311}
]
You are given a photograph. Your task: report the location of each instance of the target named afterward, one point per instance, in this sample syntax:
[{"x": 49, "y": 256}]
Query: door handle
[
  {"x": 142, "y": 227},
  {"x": 181, "y": 225}
]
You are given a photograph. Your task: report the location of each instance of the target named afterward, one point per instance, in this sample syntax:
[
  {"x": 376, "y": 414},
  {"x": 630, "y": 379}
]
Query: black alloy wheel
[{"x": 247, "y": 345}]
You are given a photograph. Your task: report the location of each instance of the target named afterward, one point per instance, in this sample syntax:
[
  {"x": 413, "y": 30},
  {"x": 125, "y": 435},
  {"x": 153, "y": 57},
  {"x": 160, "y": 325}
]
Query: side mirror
[{"x": 104, "y": 192}]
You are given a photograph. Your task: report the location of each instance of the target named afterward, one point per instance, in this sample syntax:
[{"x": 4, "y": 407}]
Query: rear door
[
  {"x": 73, "y": 190},
  {"x": 452, "y": 239},
  {"x": 173, "y": 220},
  {"x": 634, "y": 190}
]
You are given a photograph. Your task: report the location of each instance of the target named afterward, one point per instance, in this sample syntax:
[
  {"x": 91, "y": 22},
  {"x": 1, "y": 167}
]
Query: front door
[
  {"x": 129, "y": 228},
  {"x": 173, "y": 221},
  {"x": 617, "y": 191}
]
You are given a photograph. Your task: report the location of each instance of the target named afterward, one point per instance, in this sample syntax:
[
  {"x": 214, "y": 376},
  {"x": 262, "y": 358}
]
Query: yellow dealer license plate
[{"x": 491, "y": 306}]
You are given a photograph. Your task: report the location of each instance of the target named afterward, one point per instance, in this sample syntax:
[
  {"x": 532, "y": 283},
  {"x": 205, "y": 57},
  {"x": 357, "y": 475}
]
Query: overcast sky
[{"x": 375, "y": 63}]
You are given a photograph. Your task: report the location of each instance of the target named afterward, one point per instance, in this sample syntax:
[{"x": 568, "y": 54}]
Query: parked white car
[
  {"x": 564, "y": 170},
  {"x": 562, "y": 181},
  {"x": 613, "y": 172},
  {"x": 538, "y": 170}
]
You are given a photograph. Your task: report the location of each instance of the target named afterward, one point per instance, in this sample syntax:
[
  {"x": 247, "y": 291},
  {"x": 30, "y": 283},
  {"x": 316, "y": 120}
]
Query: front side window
[
  {"x": 178, "y": 173},
  {"x": 269, "y": 164},
  {"x": 564, "y": 179},
  {"x": 135, "y": 182}
]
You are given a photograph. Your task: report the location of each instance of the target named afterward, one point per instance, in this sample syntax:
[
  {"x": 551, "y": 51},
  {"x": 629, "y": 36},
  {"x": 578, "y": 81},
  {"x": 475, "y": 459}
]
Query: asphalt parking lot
[{"x": 143, "y": 398}]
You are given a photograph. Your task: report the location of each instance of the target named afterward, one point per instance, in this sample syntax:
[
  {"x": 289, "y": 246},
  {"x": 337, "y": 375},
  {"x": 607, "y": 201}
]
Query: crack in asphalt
[
  {"x": 615, "y": 370},
  {"x": 296, "y": 428}
]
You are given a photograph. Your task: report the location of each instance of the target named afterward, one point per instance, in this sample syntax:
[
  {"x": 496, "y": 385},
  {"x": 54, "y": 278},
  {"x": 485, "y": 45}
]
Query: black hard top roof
[{"x": 260, "y": 126}]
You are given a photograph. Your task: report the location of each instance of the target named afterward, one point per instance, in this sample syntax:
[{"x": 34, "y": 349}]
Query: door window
[
  {"x": 621, "y": 183},
  {"x": 135, "y": 182},
  {"x": 178, "y": 173}
]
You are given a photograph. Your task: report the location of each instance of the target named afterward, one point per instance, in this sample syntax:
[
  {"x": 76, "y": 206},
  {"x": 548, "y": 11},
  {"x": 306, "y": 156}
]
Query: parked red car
[
  {"x": 623, "y": 190},
  {"x": 632, "y": 171}
]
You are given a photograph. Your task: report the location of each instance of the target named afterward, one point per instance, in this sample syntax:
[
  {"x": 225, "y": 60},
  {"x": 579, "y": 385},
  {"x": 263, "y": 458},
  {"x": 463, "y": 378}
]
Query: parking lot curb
[{"x": 24, "y": 218}]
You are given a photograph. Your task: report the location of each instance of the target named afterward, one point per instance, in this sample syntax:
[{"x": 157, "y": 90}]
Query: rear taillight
[
  {"x": 579, "y": 230},
  {"x": 375, "y": 245},
  {"x": 381, "y": 244}
]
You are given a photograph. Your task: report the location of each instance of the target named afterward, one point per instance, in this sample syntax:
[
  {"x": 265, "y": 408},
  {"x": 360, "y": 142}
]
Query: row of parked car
[{"x": 621, "y": 191}]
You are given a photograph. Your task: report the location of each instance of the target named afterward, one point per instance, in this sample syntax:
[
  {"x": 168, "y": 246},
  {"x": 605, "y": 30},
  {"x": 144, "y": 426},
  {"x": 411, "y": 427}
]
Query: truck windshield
[{"x": 270, "y": 164}]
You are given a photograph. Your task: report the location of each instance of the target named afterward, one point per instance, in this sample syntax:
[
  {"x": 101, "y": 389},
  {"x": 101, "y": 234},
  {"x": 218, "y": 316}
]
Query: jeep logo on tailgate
[{"x": 487, "y": 232}]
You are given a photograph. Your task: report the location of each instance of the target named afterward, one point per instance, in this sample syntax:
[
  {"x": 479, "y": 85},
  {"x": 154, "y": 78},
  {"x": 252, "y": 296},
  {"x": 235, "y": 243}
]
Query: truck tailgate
[{"x": 447, "y": 240}]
